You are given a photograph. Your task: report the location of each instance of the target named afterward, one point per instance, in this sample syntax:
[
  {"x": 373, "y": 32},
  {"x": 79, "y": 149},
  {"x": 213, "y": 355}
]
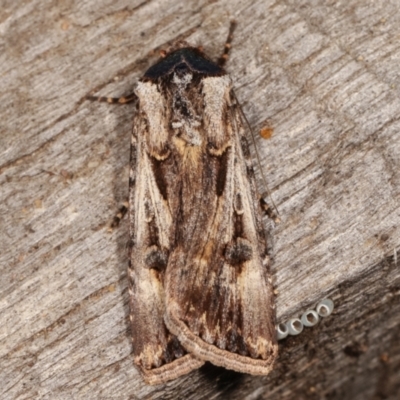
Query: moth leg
[
  {"x": 224, "y": 57},
  {"x": 122, "y": 211},
  {"x": 267, "y": 210},
  {"x": 114, "y": 100}
]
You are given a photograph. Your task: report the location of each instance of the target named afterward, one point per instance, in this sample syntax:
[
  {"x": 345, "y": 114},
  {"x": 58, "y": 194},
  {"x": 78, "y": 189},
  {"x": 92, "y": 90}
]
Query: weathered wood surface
[{"x": 324, "y": 74}]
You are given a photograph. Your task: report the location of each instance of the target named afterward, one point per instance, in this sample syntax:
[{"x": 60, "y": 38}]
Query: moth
[{"x": 199, "y": 283}]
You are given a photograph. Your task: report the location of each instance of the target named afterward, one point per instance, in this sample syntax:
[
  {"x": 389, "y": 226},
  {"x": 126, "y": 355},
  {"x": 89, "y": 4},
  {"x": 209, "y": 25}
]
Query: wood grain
[{"x": 323, "y": 74}]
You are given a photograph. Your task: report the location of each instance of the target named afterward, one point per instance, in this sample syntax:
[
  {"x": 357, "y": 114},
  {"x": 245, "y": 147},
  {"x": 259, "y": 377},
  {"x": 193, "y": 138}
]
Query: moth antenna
[{"x": 225, "y": 54}]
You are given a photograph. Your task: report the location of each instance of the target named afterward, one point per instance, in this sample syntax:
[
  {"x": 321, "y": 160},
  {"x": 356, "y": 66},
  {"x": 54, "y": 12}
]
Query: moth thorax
[{"x": 182, "y": 75}]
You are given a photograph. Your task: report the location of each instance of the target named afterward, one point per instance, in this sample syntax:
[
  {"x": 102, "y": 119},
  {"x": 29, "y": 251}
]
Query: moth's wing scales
[
  {"x": 157, "y": 353},
  {"x": 218, "y": 296}
]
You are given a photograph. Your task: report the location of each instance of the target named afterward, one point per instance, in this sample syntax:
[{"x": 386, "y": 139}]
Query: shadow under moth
[{"x": 199, "y": 284}]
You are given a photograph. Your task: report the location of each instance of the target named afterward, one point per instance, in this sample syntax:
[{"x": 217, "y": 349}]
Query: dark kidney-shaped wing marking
[{"x": 158, "y": 354}]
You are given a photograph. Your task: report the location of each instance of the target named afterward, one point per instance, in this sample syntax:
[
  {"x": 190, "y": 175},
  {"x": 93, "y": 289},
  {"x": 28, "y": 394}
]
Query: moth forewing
[
  {"x": 157, "y": 353},
  {"x": 219, "y": 301}
]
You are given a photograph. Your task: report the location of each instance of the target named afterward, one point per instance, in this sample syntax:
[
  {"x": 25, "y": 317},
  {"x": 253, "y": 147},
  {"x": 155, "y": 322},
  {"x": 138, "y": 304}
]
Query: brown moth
[{"x": 198, "y": 277}]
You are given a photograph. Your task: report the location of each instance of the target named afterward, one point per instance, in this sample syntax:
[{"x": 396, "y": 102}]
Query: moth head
[{"x": 181, "y": 60}]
